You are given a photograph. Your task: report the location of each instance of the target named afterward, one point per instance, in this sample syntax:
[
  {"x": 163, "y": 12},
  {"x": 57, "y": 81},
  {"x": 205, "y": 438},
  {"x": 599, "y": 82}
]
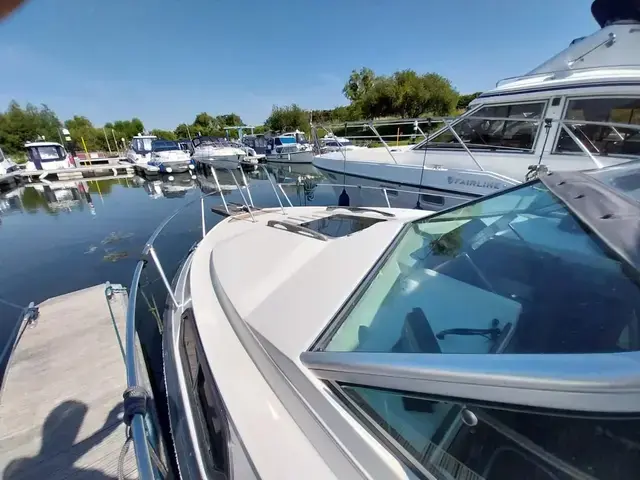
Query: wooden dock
[{"x": 61, "y": 406}]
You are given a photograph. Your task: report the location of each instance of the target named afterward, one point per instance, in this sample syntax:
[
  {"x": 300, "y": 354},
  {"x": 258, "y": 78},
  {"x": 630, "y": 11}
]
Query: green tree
[
  {"x": 291, "y": 117},
  {"x": 81, "y": 128},
  {"x": 465, "y": 100},
  {"x": 164, "y": 134},
  {"x": 182, "y": 131},
  {"x": 380, "y": 99},
  {"x": 18, "y": 125},
  {"x": 359, "y": 83}
]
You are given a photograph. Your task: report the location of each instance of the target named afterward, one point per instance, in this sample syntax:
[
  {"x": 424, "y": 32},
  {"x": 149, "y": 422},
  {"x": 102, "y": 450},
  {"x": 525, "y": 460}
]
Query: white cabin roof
[
  {"x": 42, "y": 144},
  {"x": 607, "y": 57}
]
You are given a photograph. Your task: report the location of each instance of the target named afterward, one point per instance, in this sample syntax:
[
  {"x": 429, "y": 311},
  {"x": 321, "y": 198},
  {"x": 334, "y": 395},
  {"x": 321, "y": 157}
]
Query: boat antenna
[
  {"x": 343, "y": 199},
  {"x": 424, "y": 159},
  {"x": 534, "y": 170}
]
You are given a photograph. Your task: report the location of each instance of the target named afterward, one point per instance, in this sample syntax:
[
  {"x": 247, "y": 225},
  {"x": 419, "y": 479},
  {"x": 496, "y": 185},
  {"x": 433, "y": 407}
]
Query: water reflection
[{"x": 170, "y": 186}]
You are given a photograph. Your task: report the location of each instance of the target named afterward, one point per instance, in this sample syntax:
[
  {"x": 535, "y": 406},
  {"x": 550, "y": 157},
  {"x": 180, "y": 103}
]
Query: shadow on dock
[{"x": 59, "y": 434}]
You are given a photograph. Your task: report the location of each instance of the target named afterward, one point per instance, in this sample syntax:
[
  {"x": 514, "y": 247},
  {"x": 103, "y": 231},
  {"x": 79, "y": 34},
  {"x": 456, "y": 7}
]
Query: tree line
[{"x": 404, "y": 94}]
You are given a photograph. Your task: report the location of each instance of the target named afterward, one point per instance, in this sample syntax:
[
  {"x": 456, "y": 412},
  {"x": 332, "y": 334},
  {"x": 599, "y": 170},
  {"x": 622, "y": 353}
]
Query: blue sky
[{"x": 167, "y": 60}]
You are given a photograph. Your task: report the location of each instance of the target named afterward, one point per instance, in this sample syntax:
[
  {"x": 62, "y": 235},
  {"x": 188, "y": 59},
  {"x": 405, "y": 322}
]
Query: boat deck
[{"x": 61, "y": 408}]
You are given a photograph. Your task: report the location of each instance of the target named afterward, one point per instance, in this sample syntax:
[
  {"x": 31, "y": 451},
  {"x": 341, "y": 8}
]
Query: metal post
[
  {"x": 107, "y": 139},
  {"x": 455, "y": 134},
  {"x": 274, "y": 189},
  {"x": 244, "y": 199},
  {"x": 373, "y": 129},
  {"x": 386, "y": 197},
  {"x": 188, "y": 132},
  {"x": 285, "y": 195},
  {"x": 154, "y": 257},
  {"x": 115, "y": 142},
  {"x": 584, "y": 149},
  {"x": 246, "y": 184},
  {"x": 204, "y": 225},
  {"x": 215, "y": 178}
]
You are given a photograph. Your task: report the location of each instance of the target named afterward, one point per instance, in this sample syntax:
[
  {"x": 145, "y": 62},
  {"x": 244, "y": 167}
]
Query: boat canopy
[
  {"x": 45, "y": 152},
  {"x": 606, "y": 12},
  {"x": 164, "y": 146}
]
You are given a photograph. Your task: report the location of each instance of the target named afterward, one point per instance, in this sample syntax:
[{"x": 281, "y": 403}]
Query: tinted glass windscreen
[{"x": 341, "y": 225}]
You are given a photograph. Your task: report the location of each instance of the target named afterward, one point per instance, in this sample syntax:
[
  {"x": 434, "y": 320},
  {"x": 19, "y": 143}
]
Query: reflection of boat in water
[
  {"x": 400, "y": 196},
  {"x": 207, "y": 182},
  {"x": 57, "y": 196},
  {"x": 287, "y": 172}
]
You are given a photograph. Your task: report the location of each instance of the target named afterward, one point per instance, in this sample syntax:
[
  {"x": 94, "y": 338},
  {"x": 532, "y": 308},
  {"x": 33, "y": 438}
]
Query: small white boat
[
  {"x": 405, "y": 344},
  {"x": 331, "y": 143},
  {"x": 291, "y": 147},
  {"x": 47, "y": 156},
  {"x": 139, "y": 152},
  {"x": 221, "y": 153},
  {"x": 168, "y": 157},
  {"x": 6, "y": 164}
]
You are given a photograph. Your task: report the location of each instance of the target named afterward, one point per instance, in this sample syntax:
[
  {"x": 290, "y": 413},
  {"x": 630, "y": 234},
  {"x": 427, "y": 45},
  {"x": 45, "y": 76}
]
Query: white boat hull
[
  {"x": 295, "y": 157},
  {"x": 460, "y": 182}
]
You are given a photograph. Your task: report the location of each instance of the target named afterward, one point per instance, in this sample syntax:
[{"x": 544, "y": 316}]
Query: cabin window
[
  {"x": 142, "y": 145},
  {"x": 513, "y": 273},
  {"x": 586, "y": 117},
  {"x": 509, "y": 127},
  {"x": 432, "y": 199},
  {"x": 204, "y": 398},
  {"x": 50, "y": 153},
  {"x": 453, "y": 439}
]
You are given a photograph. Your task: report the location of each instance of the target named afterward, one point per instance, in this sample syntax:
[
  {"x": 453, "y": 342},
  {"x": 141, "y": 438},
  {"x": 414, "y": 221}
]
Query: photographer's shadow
[{"x": 59, "y": 450}]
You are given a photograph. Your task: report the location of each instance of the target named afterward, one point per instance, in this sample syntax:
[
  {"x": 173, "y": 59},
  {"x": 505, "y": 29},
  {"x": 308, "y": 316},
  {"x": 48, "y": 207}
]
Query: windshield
[
  {"x": 285, "y": 141},
  {"x": 142, "y": 145},
  {"x": 164, "y": 146},
  {"x": 512, "y": 273},
  {"x": 50, "y": 153},
  {"x": 493, "y": 127}
]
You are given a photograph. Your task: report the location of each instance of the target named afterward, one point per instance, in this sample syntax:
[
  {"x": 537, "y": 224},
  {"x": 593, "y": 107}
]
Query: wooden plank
[{"x": 61, "y": 407}]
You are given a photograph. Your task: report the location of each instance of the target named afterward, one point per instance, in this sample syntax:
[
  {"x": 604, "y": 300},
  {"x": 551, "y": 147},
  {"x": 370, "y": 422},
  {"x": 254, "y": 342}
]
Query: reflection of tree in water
[{"x": 33, "y": 201}]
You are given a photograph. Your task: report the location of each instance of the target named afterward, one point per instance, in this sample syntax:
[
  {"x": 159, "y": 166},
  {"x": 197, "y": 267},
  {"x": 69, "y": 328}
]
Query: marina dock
[{"x": 61, "y": 406}]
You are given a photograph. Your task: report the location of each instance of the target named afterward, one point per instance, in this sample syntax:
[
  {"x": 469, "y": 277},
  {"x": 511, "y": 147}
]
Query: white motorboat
[
  {"x": 47, "y": 156},
  {"x": 168, "y": 157},
  {"x": 331, "y": 143},
  {"x": 139, "y": 151},
  {"x": 291, "y": 147},
  {"x": 497, "y": 339},
  {"x": 578, "y": 110},
  {"x": 6, "y": 164},
  {"x": 221, "y": 153}
]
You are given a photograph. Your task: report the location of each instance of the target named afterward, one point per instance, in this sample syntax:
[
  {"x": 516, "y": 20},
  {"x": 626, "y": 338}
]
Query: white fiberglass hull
[
  {"x": 466, "y": 182},
  {"x": 295, "y": 157}
]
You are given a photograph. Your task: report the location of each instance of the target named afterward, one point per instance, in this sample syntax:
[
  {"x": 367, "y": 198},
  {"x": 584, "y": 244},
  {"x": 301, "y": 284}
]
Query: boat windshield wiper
[{"x": 491, "y": 333}]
